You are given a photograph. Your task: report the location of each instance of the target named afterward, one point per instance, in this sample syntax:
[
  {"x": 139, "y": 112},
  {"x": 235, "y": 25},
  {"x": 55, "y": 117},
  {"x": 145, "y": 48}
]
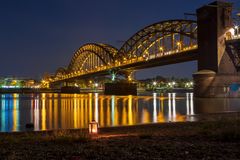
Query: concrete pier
[
  {"x": 120, "y": 89},
  {"x": 216, "y": 69}
]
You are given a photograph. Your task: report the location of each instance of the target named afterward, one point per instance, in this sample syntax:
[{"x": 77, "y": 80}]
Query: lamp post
[
  {"x": 96, "y": 85},
  {"x": 154, "y": 85}
]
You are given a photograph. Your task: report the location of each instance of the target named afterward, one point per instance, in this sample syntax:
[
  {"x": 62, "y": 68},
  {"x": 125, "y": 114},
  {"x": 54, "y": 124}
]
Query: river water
[{"x": 72, "y": 111}]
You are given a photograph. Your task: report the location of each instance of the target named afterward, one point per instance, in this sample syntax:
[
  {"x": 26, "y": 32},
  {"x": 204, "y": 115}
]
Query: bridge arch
[
  {"x": 91, "y": 57},
  {"x": 61, "y": 72},
  {"x": 160, "y": 39}
]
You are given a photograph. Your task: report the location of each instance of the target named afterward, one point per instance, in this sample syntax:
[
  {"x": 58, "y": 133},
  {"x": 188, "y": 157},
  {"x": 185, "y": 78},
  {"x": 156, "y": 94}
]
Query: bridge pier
[
  {"x": 120, "y": 88},
  {"x": 216, "y": 67},
  {"x": 126, "y": 87}
]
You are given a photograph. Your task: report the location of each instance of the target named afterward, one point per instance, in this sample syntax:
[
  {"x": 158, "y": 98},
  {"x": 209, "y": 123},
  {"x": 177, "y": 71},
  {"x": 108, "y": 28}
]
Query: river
[{"x": 72, "y": 111}]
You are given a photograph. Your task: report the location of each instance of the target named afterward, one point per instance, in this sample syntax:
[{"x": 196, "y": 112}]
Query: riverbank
[
  {"x": 47, "y": 90},
  {"x": 192, "y": 140}
]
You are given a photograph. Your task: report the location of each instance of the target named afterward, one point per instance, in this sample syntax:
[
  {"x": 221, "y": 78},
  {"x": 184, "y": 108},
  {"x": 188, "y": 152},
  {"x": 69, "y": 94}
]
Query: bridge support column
[
  {"x": 216, "y": 69},
  {"x": 120, "y": 88}
]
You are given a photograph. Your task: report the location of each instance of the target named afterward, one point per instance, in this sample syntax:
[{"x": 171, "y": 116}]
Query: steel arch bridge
[
  {"x": 88, "y": 58},
  {"x": 159, "y": 41},
  {"x": 162, "y": 37}
]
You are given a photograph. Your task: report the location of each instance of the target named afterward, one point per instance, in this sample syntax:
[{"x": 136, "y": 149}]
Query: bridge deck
[{"x": 157, "y": 60}]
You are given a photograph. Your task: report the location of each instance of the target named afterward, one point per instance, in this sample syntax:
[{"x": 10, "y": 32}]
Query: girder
[
  {"x": 158, "y": 38},
  {"x": 152, "y": 42},
  {"x": 60, "y": 72},
  {"x": 91, "y": 56}
]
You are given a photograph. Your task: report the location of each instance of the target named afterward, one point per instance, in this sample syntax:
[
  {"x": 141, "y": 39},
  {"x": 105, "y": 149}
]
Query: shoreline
[
  {"x": 218, "y": 139},
  {"x": 200, "y": 118}
]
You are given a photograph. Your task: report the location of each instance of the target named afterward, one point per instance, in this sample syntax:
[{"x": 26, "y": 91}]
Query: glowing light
[
  {"x": 112, "y": 108},
  {"x": 191, "y": 104},
  {"x": 15, "y": 112},
  {"x": 96, "y": 107},
  {"x": 10, "y": 86},
  {"x": 36, "y": 114},
  {"x": 129, "y": 78},
  {"x": 231, "y": 30},
  {"x": 44, "y": 113},
  {"x": 169, "y": 107},
  {"x": 130, "y": 118},
  {"x": 93, "y": 127},
  {"x": 187, "y": 103},
  {"x": 154, "y": 107},
  {"x": 154, "y": 83},
  {"x": 174, "y": 106},
  {"x": 113, "y": 76}
]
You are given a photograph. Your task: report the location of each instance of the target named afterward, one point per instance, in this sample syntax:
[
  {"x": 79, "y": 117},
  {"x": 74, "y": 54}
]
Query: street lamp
[
  {"x": 96, "y": 84},
  {"x": 154, "y": 83},
  {"x": 173, "y": 83}
]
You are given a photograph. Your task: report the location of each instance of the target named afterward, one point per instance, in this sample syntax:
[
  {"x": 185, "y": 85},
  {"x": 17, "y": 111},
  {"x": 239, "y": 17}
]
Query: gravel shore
[{"x": 190, "y": 140}]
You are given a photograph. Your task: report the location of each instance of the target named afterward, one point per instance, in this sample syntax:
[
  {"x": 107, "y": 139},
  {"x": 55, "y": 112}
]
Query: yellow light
[
  {"x": 93, "y": 127},
  {"x": 129, "y": 78}
]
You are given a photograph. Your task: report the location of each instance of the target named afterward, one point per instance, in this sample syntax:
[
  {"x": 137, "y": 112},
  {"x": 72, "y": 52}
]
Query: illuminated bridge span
[
  {"x": 213, "y": 41},
  {"x": 162, "y": 43}
]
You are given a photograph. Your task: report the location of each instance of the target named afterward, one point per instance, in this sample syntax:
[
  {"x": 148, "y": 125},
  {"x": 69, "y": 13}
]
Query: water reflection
[
  {"x": 154, "y": 107},
  {"x": 54, "y": 111},
  {"x": 172, "y": 107},
  {"x": 9, "y": 113}
]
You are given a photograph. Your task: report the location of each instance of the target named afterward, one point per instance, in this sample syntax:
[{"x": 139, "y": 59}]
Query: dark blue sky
[{"x": 41, "y": 35}]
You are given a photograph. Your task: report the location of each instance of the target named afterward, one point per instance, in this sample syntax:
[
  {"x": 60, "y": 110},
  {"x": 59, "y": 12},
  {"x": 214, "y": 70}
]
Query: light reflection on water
[{"x": 54, "y": 111}]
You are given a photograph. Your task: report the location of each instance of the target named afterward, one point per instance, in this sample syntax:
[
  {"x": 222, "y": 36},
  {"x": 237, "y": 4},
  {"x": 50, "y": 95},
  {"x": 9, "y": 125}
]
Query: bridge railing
[
  {"x": 125, "y": 62},
  {"x": 153, "y": 56}
]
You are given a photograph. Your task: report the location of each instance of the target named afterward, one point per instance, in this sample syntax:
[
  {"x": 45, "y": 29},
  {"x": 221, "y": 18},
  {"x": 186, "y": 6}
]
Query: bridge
[
  {"x": 163, "y": 43},
  {"x": 159, "y": 44}
]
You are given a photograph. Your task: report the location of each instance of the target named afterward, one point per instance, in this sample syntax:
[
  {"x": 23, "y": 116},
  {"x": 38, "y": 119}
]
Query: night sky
[{"x": 40, "y": 36}]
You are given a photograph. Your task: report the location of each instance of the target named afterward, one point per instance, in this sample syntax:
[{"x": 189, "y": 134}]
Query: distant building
[{"x": 18, "y": 82}]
